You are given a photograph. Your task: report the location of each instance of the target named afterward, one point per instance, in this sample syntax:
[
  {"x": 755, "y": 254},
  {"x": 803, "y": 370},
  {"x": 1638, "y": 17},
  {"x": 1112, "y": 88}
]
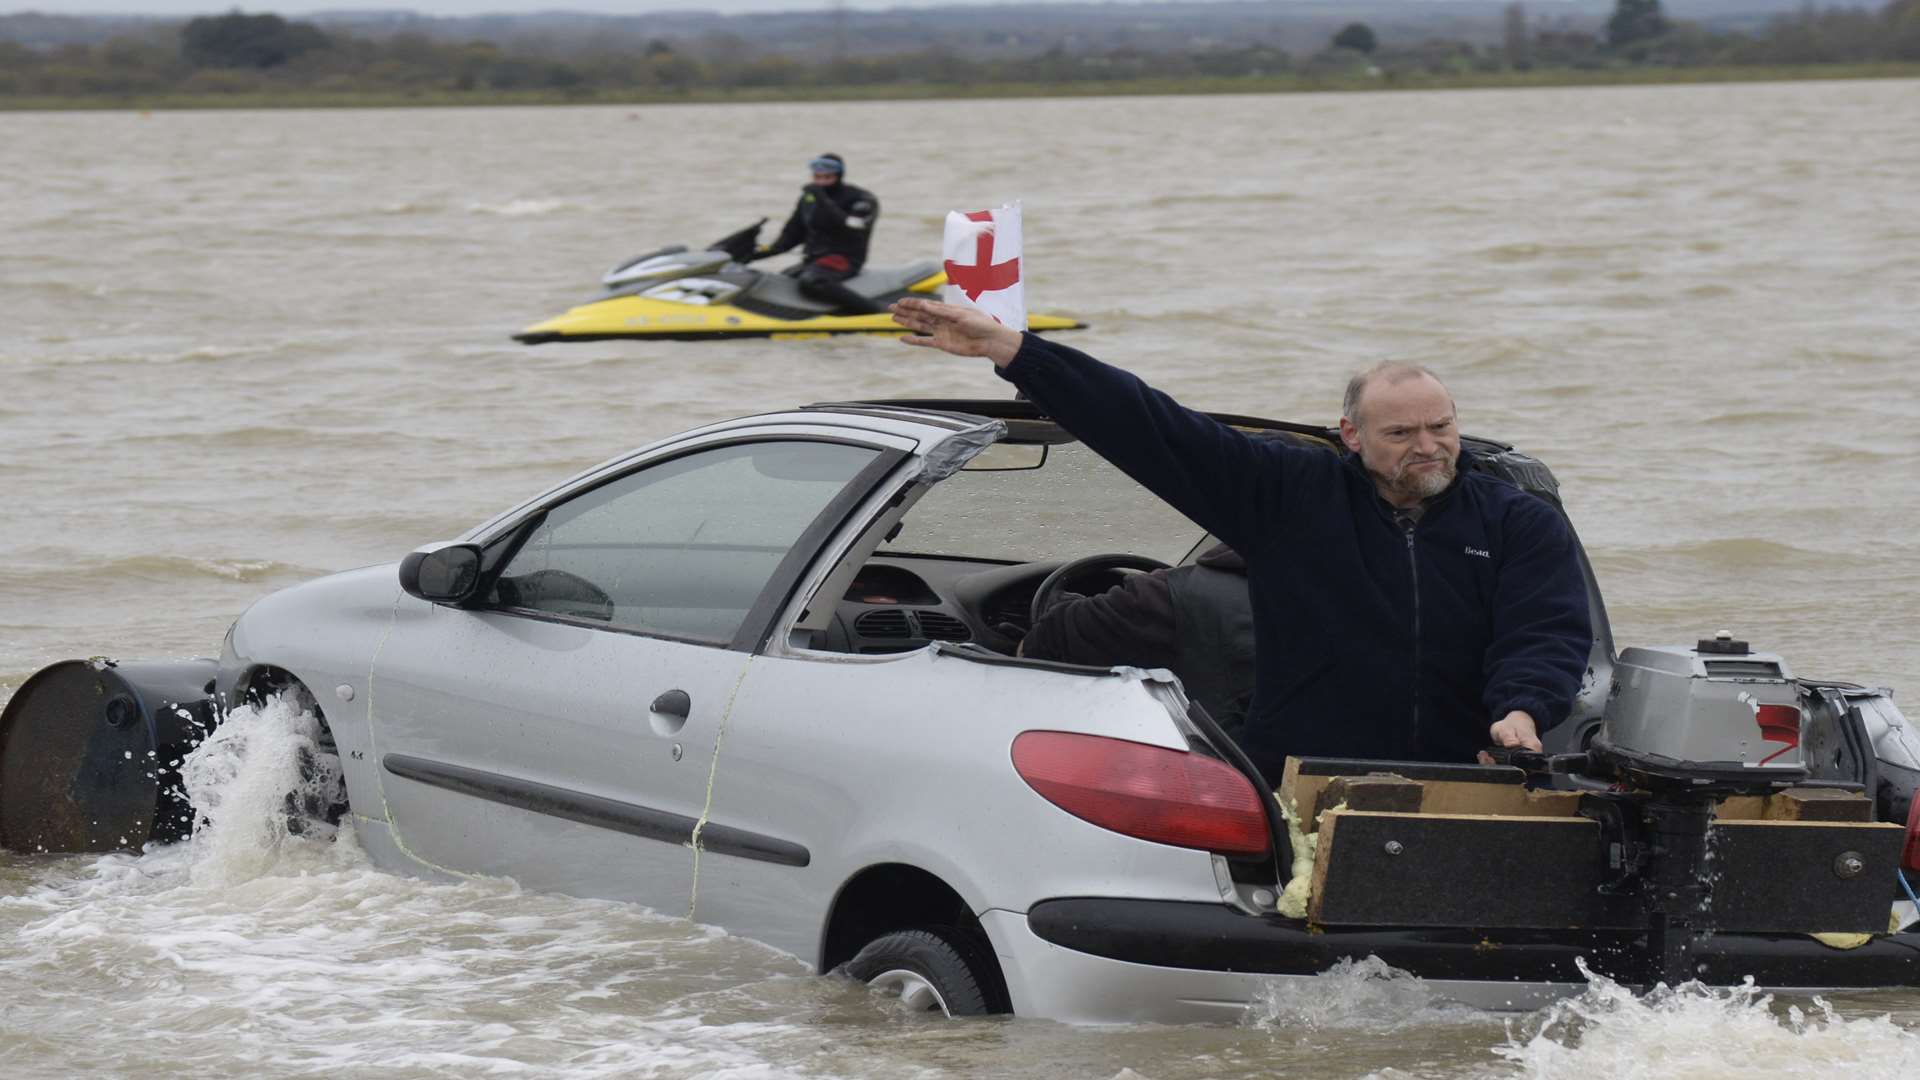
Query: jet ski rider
[
  {"x": 1405, "y": 606},
  {"x": 835, "y": 220}
]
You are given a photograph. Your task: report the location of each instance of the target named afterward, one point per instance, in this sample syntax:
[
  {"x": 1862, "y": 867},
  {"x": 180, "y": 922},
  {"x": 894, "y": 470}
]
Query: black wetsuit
[{"x": 836, "y": 224}]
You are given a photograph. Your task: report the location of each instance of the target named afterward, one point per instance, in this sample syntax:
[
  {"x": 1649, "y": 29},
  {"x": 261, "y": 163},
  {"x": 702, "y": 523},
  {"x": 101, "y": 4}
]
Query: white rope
[{"x": 713, "y": 768}]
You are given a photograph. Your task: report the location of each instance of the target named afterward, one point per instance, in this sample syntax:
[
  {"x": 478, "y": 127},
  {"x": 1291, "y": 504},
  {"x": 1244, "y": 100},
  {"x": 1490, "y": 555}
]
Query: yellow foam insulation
[{"x": 1299, "y": 890}]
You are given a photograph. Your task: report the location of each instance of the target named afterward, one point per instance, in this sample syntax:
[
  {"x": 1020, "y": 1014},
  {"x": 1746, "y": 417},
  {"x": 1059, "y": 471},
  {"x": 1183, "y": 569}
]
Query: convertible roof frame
[{"x": 1022, "y": 409}]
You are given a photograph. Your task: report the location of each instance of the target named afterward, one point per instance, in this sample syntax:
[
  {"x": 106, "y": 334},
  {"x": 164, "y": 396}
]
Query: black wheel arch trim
[
  {"x": 1214, "y": 937},
  {"x": 595, "y": 810}
]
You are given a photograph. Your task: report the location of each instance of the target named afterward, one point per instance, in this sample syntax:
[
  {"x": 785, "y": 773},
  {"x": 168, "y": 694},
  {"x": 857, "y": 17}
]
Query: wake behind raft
[{"x": 1677, "y": 847}]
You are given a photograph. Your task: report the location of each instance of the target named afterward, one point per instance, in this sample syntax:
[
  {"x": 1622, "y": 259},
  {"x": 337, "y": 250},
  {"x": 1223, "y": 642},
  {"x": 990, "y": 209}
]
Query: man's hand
[
  {"x": 962, "y": 331},
  {"x": 1516, "y": 729}
]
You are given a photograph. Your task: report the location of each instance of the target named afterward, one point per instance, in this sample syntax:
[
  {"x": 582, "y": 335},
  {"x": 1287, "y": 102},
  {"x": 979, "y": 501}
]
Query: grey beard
[{"x": 1423, "y": 485}]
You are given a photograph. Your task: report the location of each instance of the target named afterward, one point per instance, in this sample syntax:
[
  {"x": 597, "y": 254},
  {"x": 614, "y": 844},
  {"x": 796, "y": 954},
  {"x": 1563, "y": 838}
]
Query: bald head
[
  {"x": 1399, "y": 419},
  {"x": 1387, "y": 373}
]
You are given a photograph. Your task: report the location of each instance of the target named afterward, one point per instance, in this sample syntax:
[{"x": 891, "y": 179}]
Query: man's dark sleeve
[
  {"x": 858, "y": 214},
  {"x": 1542, "y": 630},
  {"x": 1131, "y": 624},
  {"x": 867, "y": 209},
  {"x": 1223, "y": 479},
  {"x": 794, "y": 231}
]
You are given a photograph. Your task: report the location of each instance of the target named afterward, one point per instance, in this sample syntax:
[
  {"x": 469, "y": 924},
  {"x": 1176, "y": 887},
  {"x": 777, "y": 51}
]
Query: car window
[
  {"x": 1074, "y": 503},
  {"x": 682, "y": 548}
]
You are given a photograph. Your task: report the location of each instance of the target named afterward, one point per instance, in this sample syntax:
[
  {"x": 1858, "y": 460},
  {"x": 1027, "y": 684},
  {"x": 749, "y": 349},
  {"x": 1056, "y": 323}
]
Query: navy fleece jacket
[{"x": 1373, "y": 640}]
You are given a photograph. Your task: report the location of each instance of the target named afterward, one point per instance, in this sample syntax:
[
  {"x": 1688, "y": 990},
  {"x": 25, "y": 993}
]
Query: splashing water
[
  {"x": 260, "y": 782},
  {"x": 1357, "y": 995},
  {"x": 266, "y": 945},
  {"x": 1737, "y": 1033},
  {"x": 520, "y": 207}
]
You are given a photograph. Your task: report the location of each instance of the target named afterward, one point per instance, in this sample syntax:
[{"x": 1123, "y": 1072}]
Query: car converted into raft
[{"x": 763, "y": 674}]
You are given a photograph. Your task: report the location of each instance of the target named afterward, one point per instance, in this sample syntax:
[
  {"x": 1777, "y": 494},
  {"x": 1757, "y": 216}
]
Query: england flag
[{"x": 982, "y": 251}]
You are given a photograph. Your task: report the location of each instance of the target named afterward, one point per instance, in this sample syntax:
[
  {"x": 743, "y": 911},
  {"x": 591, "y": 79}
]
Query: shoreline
[{"x": 1276, "y": 84}]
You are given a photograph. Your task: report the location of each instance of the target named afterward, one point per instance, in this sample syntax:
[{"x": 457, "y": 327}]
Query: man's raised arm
[{"x": 1219, "y": 477}]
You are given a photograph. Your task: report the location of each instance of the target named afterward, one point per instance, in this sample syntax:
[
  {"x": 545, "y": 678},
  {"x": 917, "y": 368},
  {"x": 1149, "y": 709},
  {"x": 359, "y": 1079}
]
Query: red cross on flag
[{"x": 982, "y": 252}]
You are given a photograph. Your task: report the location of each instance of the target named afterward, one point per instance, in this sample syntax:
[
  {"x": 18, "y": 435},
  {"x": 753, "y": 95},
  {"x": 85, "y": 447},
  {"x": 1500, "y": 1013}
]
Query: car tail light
[
  {"x": 1910, "y": 855},
  {"x": 1151, "y": 792}
]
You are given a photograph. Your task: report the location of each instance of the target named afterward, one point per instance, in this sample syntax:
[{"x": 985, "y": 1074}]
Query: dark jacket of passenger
[
  {"x": 1196, "y": 621},
  {"x": 831, "y": 221},
  {"x": 1375, "y": 640}
]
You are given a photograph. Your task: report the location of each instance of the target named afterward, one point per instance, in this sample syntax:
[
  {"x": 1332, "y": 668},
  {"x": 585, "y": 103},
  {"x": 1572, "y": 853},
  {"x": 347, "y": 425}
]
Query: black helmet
[{"x": 829, "y": 162}]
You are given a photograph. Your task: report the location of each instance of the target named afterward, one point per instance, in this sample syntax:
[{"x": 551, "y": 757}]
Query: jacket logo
[{"x": 1479, "y": 552}]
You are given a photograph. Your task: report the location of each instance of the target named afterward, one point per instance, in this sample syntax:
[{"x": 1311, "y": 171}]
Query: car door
[{"x": 560, "y": 729}]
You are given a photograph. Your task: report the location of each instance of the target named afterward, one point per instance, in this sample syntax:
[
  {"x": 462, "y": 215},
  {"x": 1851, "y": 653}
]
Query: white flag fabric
[{"x": 982, "y": 252}]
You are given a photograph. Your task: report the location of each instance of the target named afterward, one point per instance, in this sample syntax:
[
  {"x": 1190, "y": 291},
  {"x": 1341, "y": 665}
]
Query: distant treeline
[{"x": 264, "y": 55}]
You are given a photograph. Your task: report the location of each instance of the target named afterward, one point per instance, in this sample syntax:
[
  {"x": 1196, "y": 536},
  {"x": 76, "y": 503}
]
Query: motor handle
[{"x": 1534, "y": 762}]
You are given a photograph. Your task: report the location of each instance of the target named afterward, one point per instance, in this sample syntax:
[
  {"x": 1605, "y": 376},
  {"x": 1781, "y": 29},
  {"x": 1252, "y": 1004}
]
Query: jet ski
[{"x": 675, "y": 294}]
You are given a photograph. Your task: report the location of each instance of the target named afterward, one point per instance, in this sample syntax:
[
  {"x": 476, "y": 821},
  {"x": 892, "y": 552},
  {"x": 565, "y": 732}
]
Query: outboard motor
[
  {"x": 90, "y": 753},
  {"x": 1718, "y": 713},
  {"x": 1683, "y": 729}
]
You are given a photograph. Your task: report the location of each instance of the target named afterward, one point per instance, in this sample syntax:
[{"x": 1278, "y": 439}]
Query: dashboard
[{"x": 900, "y": 603}]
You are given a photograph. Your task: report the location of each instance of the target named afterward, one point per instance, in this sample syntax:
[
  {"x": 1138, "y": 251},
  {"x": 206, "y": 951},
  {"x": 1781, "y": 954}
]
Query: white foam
[
  {"x": 520, "y": 207},
  {"x": 278, "y": 951},
  {"x": 248, "y": 782},
  {"x": 1703, "y": 1033},
  {"x": 1362, "y": 995}
]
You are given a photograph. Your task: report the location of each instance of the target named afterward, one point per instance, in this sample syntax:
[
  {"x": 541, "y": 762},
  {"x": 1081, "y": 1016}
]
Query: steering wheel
[{"x": 1069, "y": 574}]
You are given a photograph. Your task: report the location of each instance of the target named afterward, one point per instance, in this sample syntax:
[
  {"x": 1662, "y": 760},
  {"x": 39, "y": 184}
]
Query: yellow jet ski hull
[{"x": 639, "y": 316}]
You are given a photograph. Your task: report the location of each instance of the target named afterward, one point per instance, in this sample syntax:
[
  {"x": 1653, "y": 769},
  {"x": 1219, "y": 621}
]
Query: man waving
[{"x": 1404, "y": 606}]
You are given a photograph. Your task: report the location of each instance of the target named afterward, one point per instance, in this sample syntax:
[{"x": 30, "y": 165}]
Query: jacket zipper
[{"x": 1413, "y": 564}]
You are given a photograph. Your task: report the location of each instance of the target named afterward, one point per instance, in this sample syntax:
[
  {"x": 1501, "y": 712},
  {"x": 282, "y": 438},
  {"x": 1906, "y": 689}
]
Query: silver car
[
  {"x": 763, "y": 674},
  {"x": 754, "y": 674}
]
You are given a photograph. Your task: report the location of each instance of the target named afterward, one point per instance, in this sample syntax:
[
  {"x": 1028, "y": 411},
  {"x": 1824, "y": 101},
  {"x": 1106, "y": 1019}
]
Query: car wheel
[
  {"x": 317, "y": 805},
  {"x": 923, "y": 968},
  {"x": 319, "y": 800}
]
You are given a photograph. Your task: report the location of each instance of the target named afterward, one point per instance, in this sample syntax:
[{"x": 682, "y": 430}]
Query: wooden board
[
  {"x": 1798, "y": 804},
  {"x": 1458, "y": 870},
  {"x": 1394, "y": 794},
  {"x": 1307, "y": 782},
  {"x": 1781, "y": 876},
  {"x": 1489, "y": 871},
  {"x": 1494, "y": 792}
]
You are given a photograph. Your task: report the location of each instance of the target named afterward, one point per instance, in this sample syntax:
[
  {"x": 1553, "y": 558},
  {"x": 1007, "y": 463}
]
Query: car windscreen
[{"x": 1072, "y": 503}]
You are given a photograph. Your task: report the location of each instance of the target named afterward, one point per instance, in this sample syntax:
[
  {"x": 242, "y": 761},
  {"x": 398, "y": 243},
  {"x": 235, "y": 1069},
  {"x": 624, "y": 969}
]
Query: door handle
[{"x": 669, "y": 711}]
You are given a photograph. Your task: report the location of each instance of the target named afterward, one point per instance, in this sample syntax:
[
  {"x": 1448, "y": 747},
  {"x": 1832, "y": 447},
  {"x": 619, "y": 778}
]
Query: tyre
[{"x": 927, "y": 970}]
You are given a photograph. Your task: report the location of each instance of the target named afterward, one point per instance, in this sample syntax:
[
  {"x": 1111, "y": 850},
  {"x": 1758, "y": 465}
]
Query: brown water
[{"x": 241, "y": 349}]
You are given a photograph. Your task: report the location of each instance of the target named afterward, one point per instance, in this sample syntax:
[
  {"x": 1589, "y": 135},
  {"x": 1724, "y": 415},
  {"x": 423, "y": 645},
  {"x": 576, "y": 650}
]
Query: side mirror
[{"x": 441, "y": 573}]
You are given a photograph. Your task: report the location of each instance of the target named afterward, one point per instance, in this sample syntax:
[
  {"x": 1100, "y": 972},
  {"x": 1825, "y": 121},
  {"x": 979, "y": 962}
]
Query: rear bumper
[{"x": 1101, "y": 960}]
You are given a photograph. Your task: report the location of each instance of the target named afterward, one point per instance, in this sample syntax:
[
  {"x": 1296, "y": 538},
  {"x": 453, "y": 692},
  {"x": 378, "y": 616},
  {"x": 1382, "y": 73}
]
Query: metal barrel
[{"x": 90, "y": 751}]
